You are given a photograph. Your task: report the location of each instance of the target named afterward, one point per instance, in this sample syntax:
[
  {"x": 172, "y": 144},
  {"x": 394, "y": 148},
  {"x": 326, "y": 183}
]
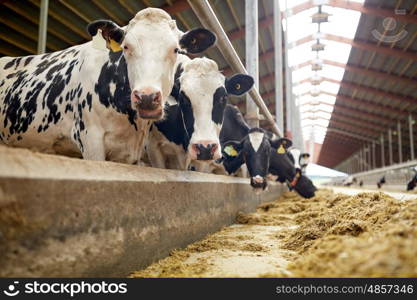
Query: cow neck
[{"x": 114, "y": 73}]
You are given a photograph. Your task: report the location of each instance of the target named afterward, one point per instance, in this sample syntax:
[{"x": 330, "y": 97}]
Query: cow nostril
[
  {"x": 137, "y": 96},
  {"x": 213, "y": 147},
  {"x": 156, "y": 98},
  {"x": 196, "y": 148}
]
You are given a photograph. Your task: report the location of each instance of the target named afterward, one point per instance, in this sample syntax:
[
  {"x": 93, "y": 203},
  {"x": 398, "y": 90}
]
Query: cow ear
[
  {"x": 239, "y": 84},
  {"x": 177, "y": 85},
  {"x": 232, "y": 148},
  {"x": 281, "y": 145},
  {"x": 197, "y": 40},
  {"x": 110, "y": 31}
]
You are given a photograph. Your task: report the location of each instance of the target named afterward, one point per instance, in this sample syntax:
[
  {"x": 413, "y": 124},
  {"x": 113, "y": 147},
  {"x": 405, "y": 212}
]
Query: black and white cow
[
  {"x": 190, "y": 131},
  {"x": 300, "y": 160},
  {"x": 94, "y": 102},
  {"x": 381, "y": 182},
  {"x": 261, "y": 154},
  {"x": 413, "y": 182}
]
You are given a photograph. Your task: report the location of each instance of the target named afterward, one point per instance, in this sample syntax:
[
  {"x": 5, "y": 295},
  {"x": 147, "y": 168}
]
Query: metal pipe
[
  {"x": 252, "y": 57},
  {"x": 208, "y": 18},
  {"x": 410, "y": 128},
  {"x": 43, "y": 26},
  {"x": 391, "y": 161},
  {"x": 279, "y": 88},
  {"x": 400, "y": 142}
]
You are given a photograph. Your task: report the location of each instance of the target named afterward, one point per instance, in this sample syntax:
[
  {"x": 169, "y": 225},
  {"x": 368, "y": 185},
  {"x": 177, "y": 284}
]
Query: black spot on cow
[
  {"x": 44, "y": 65},
  {"x": 89, "y": 100},
  {"x": 68, "y": 73},
  {"x": 28, "y": 60},
  {"x": 82, "y": 127},
  {"x": 17, "y": 62},
  {"x": 9, "y": 64},
  {"x": 219, "y": 104},
  {"x": 55, "y": 69},
  {"x": 52, "y": 93},
  {"x": 115, "y": 71},
  {"x": 68, "y": 108},
  {"x": 20, "y": 112}
]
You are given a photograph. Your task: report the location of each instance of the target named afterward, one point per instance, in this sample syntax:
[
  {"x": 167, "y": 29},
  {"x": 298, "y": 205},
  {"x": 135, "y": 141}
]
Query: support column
[
  {"x": 400, "y": 142},
  {"x": 382, "y": 151},
  {"x": 279, "y": 83},
  {"x": 373, "y": 156},
  {"x": 43, "y": 26},
  {"x": 252, "y": 57},
  {"x": 288, "y": 84},
  {"x": 391, "y": 161},
  {"x": 410, "y": 129}
]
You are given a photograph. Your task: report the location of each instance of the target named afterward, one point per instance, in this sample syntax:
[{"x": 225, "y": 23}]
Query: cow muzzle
[
  {"x": 148, "y": 103},
  {"x": 258, "y": 182},
  {"x": 205, "y": 150}
]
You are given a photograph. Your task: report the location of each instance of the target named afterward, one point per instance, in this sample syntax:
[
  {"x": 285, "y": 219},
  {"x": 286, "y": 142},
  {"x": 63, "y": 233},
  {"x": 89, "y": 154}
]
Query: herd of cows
[{"x": 133, "y": 94}]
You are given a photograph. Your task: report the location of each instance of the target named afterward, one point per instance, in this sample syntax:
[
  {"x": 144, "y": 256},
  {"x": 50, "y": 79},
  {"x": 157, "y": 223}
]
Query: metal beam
[
  {"x": 401, "y": 99},
  {"x": 360, "y": 45},
  {"x": 354, "y": 136},
  {"x": 364, "y": 71},
  {"x": 369, "y": 10}
]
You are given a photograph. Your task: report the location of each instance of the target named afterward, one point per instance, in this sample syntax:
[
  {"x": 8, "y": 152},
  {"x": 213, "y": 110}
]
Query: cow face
[
  {"x": 286, "y": 165},
  {"x": 255, "y": 151},
  {"x": 150, "y": 44},
  {"x": 203, "y": 94}
]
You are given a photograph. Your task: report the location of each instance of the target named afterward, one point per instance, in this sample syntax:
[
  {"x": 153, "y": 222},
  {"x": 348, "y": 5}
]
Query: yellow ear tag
[
  {"x": 229, "y": 150},
  {"x": 281, "y": 149},
  {"x": 114, "y": 46}
]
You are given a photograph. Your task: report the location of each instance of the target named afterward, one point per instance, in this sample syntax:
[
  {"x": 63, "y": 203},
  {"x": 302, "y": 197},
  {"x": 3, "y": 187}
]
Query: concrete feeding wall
[{"x": 62, "y": 216}]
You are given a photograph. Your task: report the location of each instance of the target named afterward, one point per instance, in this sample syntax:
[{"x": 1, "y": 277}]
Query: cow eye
[{"x": 125, "y": 47}]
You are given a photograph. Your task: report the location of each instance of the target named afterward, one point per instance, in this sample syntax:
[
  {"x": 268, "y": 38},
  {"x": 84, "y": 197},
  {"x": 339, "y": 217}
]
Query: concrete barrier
[{"x": 61, "y": 216}]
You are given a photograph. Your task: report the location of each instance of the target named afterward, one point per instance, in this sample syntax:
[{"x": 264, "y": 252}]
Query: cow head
[
  {"x": 202, "y": 94},
  {"x": 255, "y": 151},
  {"x": 287, "y": 166},
  {"x": 150, "y": 44}
]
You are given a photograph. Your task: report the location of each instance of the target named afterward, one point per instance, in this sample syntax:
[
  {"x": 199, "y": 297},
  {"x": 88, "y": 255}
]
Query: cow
[
  {"x": 413, "y": 182},
  {"x": 91, "y": 102},
  {"x": 381, "y": 182},
  {"x": 300, "y": 160},
  {"x": 194, "y": 116},
  {"x": 242, "y": 144},
  {"x": 349, "y": 181}
]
